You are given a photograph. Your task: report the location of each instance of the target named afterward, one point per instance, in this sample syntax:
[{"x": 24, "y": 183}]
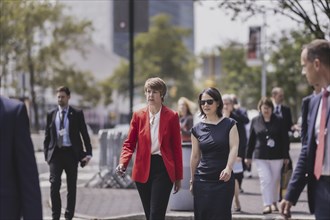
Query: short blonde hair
[{"x": 157, "y": 84}]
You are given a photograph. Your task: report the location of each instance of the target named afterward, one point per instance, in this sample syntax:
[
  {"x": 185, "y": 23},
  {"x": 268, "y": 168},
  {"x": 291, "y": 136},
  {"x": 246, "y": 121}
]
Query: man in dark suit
[
  {"x": 64, "y": 149},
  {"x": 304, "y": 113},
  {"x": 20, "y": 195},
  {"x": 280, "y": 109},
  {"x": 283, "y": 112},
  {"x": 309, "y": 170}
]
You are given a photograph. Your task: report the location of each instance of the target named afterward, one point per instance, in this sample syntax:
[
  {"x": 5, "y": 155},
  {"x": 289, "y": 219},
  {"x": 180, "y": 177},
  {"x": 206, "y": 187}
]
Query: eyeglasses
[{"x": 208, "y": 101}]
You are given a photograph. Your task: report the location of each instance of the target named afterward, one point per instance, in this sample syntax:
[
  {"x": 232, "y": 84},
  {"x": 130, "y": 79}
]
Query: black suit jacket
[
  {"x": 77, "y": 130},
  {"x": 286, "y": 115},
  {"x": 304, "y": 171},
  {"x": 304, "y": 115},
  {"x": 20, "y": 194},
  {"x": 241, "y": 121},
  {"x": 257, "y": 143}
]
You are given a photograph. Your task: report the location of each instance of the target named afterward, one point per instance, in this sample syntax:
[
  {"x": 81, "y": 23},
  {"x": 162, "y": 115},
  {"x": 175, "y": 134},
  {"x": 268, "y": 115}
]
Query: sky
[{"x": 214, "y": 27}]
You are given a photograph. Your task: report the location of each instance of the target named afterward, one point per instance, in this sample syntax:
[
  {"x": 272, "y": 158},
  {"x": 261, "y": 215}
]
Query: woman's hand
[
  {"x": 120, "y": 170},
  {"x": 177, "y": 186},
  {"x": 225, "y": 174},
  {"x": 191, "y": 186},
  {"x": 248, "y": 162}
]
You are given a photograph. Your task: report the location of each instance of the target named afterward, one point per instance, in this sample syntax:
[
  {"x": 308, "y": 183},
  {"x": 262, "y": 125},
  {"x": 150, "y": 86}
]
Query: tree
[
  {"x": 315, "y": 15},
  {"x": 286, "y": 71},
  {"x": 237, "y": 77},
  {"x": 34, "y": 37},
  {"x": 162, "y": 53}
]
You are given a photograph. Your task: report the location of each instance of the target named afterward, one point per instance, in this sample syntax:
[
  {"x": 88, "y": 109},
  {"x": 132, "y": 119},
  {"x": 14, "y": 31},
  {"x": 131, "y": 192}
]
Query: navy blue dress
[{"x": 212, "y": 197}]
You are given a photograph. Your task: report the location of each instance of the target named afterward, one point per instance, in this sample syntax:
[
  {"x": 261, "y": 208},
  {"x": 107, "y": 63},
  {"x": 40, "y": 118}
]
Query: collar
[
  {"x": 328, "y": 88},
  {"x": 63, "y": 109},
  {"x": 157, "y": 114}
]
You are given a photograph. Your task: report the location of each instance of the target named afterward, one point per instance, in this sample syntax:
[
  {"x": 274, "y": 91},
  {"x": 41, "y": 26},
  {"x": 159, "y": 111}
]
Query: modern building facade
[
  {"x": 180, "y": 11},
  {"x": 110, "y": 46}
]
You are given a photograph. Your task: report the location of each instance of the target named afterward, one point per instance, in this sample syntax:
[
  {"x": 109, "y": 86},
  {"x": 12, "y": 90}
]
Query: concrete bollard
[{"x": 183, "y": 200}]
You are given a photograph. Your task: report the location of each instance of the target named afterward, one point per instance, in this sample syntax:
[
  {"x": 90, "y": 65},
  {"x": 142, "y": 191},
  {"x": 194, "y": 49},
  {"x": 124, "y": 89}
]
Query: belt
[
  {"x": 65, "y": 148},
  {"x": 325, "y": 178}
]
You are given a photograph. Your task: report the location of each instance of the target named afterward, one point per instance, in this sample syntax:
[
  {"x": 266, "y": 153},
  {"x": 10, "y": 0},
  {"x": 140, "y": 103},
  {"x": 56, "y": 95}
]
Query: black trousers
[
  {"x": 63, "y": 159},
  {"x": 322, "y": 198},
  {"x": 155, "y": 193}
]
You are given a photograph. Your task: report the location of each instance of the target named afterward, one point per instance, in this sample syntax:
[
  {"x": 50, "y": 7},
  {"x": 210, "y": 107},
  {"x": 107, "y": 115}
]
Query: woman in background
[
  {"x": 269, "y": 143},
  {"x": 186, "y": 119},
  {"x": 228, "y": 111}
]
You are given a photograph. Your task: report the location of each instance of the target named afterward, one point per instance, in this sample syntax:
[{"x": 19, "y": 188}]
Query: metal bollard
[{"x": 102, "y": 135}]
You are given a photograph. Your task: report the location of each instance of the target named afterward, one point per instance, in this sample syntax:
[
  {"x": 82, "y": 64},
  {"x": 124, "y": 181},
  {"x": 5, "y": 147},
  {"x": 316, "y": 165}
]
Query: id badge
[
  {"x": 270, "y": 143},
  {"x": 62, "y": 132}
]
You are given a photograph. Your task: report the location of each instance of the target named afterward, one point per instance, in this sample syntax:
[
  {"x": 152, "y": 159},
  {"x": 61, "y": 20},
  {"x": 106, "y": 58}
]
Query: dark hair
[
  {"x": 63, "y": 89},
  {"x": 215, "y": 94},
  {"x": 319, "y": 49},
  {"x": 266, "y": 101}
]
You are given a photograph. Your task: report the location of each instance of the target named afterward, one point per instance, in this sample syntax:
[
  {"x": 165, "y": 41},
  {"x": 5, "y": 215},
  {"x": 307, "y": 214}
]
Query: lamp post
[
  {"x": 131, "y": 56},
  {"x": 264, "y": 64}
]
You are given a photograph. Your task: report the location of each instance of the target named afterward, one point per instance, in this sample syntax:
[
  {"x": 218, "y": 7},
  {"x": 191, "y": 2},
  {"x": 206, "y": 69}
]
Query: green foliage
[
  {"x": 314, "y": 15},
  {"x": 237, "y": 77},
  {"x": 285, "y": 58},
  {"x": 162, "y": 53},
  {"x": 82, "y": 83},
  {"x": 117, "y": 81},
  {"x": 34, "y": 37}
]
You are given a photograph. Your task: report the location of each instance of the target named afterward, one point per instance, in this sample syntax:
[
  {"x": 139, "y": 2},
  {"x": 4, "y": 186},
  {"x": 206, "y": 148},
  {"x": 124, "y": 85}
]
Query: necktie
[
  {"x": 62, "y": 120},
  {"x": 277, "y": 111},
  {"x": 321, "y": 137},
  {"x": 60, "y": 137}
]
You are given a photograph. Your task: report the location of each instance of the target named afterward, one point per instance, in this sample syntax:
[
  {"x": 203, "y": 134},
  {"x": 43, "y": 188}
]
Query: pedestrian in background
[
  {"x": 64, "y": 149},
  {"x": 313, "y": 166},
  {"x": 269, "y": 143},
  {"x": 20, "y": 196},
  {"x": 241, "y": 112},
  {"x": 284, "y": 112},
  {"x": 214, "y": 150},
  {"x": 186, "y": 119},
  {"x": 228, "y": 111},
  {"x": 155, "y": 136}
]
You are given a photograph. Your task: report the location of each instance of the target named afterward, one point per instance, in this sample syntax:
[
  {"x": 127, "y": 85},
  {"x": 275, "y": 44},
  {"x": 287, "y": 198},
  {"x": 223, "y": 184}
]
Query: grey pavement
[{"x": 108, "y": 204}]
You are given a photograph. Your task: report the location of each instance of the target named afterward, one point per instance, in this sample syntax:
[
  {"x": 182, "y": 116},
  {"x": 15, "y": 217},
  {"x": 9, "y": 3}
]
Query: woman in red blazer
[{"x": 155, "y": 136}]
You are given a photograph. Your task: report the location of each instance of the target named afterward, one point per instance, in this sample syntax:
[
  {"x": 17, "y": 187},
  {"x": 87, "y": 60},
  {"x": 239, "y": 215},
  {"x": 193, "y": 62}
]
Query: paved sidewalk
[
  {"x": 109, "y": 204},
  {"x": 94, "y": 203}
]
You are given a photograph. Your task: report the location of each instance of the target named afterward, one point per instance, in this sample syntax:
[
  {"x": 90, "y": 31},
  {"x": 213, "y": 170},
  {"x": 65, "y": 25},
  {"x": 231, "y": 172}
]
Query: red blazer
[{"x": 139, "y": 139}]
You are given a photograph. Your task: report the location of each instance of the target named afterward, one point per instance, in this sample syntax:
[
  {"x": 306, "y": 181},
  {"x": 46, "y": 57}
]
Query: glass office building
[{"x": 180, "y": 11}]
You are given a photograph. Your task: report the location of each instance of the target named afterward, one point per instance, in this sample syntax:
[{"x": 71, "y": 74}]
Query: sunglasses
[{"x": 208, "y": 101}]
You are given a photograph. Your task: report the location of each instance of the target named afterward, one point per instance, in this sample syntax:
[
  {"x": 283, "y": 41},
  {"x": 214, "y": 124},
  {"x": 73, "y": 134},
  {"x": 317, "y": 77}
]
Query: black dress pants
[
  {"x": 63, "y": 159},
  {"x": 155, "y": 193},
  {"x": 322, "y": 198}
]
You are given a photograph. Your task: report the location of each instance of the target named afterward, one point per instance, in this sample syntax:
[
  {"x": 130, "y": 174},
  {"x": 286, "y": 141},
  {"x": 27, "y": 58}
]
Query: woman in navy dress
[{"x": 214, "y": 151}]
